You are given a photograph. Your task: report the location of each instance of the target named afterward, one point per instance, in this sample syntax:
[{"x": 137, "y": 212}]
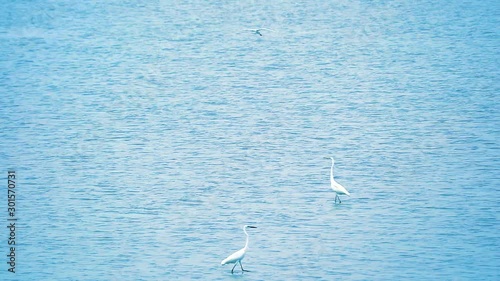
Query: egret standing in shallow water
[
  {"x": 239, "y": 255},
  {"x": 339, "y": 189}
]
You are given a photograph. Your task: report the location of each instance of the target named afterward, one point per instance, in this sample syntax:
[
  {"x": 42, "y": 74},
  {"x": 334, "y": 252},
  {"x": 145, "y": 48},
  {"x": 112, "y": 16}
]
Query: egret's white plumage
[
  {"x": 239, "y": 255},
  {"x": 258, "y": 30},
  {"x": 337, "y": 187}
]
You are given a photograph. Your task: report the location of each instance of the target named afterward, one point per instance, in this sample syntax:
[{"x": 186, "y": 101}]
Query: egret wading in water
[
  {"x": 337, "y": 187},
  {"x": 239, "y": 255}
]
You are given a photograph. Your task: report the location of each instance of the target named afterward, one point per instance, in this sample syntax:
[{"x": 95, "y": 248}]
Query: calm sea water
[{"x": 144, "y": 135}]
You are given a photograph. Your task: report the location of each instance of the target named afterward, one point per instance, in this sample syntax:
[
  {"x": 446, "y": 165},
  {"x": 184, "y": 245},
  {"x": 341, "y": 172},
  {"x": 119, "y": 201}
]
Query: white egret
[
  {"x": 337, "y": 187},
  {"x": 239, "y": 255},
  {"x": 258, "y": 30}
]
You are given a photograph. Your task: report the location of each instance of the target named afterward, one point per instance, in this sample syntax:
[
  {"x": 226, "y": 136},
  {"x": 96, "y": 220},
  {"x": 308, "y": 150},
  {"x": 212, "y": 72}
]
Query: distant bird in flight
[{"x": 258, "y": 30}]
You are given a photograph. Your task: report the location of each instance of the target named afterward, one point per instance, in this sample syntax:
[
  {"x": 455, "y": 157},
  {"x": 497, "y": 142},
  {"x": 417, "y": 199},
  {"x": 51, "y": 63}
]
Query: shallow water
[{"x": 145, "y": 135}]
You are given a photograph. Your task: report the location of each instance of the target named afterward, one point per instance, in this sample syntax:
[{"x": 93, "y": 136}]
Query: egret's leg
[
  {"x": 336, "y": 196},
  {"x": 232, "y": 270},
  {"x": 243, "y": 270},
  {"x": 340, "y": 202}
]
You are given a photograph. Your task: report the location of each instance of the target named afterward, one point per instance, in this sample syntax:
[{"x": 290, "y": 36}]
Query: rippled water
[{"x": 144, "y": 136}]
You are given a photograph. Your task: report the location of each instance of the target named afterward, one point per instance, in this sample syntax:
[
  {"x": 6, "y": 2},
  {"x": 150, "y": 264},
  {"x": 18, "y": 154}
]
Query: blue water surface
[{"x": 145, "y": 134}]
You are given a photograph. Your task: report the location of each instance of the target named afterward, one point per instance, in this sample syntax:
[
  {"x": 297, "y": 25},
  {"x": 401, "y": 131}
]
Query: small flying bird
[
  {"x": 337, "y": 187},
  {"x": 239, "y": 255},
  {"x": 258, "y": 30}
]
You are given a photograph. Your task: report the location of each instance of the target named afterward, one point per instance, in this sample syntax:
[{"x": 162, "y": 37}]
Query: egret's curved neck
[
  {"x": 331, "y": 172},
  {"x": 246, "y": 243}
]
